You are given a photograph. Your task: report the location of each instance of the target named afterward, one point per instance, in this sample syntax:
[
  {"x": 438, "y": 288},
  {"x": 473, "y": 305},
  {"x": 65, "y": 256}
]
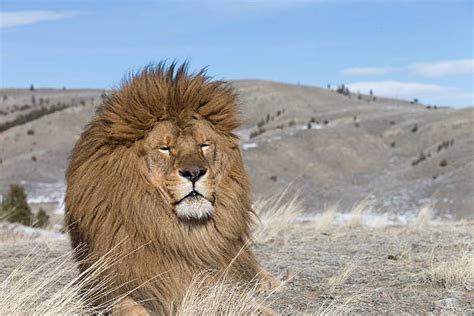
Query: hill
[{"x": 333, "y": 148}]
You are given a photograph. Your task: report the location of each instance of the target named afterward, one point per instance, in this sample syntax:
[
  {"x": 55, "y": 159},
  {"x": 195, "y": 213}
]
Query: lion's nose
[{"x": 193, "y": 173}]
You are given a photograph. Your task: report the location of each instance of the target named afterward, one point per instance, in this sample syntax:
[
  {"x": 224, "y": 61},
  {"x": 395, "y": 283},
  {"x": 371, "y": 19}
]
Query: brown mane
[{"x": 110, "y": 204}]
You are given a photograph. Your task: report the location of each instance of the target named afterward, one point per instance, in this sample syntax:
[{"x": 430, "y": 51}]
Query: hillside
[{"x": 332, "y": 148}]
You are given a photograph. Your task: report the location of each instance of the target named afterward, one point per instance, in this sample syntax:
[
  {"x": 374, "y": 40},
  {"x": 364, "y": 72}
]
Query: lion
[{"x": 157, "y": 177}]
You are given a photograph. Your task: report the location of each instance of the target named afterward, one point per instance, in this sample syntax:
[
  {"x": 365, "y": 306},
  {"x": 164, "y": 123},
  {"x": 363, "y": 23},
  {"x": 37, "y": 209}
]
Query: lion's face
[{"x": 183, "y": 163}]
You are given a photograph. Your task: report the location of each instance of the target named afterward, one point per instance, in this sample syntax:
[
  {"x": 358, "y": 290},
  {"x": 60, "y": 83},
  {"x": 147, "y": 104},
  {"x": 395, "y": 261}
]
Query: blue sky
[{"x": 405, "y": 49}]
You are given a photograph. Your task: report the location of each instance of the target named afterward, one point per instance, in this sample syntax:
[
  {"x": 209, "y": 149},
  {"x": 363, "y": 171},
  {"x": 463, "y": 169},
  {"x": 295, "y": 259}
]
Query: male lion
[{"x": 157, "y": 177}]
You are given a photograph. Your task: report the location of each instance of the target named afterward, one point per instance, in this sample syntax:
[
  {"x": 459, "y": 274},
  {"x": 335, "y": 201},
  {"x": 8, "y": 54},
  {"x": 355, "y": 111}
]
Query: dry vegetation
[{"x": 327, "y": 268}]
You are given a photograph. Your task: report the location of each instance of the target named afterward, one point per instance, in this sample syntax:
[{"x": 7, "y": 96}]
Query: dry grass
[
  {"x": 455, "y": 273},
  {"x": 35, "y": 290},
  {"x": 326, "y": 220},
  {"x": 38, "y": 287},
  {"x": 424, "y": 217},
  {"x": 205, "y": 296},
  {"x": 337, "y": 281},
  {"x": 52, "y": 286},
  {"x": 276, "y": 215},
  {"x": 357, "y": 213}
]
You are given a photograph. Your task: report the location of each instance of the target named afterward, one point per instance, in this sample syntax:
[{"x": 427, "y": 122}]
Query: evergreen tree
[
  {"x": 42, "y": 219},
  {"x": 15, "y": 207}
]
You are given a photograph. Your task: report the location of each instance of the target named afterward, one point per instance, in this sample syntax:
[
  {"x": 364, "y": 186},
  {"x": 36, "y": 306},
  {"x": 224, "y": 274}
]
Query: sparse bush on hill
[
  {"x": 415, "y": 128},
  {"x": 15, "y": 207},
  {"x": 30, "y": 132},
  {"x": 31, "y": 116},
  {"x": 32, "y": 87},
  {"x": 342, "y": 89},
  {"x": 421, "y": 157}
]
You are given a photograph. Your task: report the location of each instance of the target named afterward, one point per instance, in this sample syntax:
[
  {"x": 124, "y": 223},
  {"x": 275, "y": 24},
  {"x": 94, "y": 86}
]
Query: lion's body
[{"x": 115, "y": 209}]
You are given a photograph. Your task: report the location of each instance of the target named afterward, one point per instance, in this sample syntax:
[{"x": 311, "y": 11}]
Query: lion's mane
[{"x": 112, "y": 208}]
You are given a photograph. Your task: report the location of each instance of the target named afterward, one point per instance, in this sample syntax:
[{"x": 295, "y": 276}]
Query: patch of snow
[
  {"x": 45, "y": 192},
  {"x": 316, "y": 126},
  {"x": 370, "y": 219},
  {"x": 244, "y": 134},
  {"x": 34, "y": 233},
  {"x": 248, "y": 146}
]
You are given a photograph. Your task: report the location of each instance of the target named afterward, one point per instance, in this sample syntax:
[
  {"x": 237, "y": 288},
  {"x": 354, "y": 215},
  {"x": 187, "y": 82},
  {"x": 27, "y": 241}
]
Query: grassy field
[{"x": 423, "y": 266}]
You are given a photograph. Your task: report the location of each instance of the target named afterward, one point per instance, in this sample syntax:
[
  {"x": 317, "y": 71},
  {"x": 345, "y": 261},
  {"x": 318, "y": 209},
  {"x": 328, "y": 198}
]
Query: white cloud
[
  {"x": 443, "y": 68},
  {"x": 366, "y": 71},
  {"x": 18, "y": 18},
  {"x": 397, "y": 89}
]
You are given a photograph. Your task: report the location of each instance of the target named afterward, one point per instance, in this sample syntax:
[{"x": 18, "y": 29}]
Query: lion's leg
[{"x": 128, "y": 307}]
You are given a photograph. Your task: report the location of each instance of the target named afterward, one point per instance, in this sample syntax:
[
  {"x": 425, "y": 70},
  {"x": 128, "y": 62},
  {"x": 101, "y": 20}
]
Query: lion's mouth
[
  {"x": 193, "y": 195},
  {"x": 194, "y": 206}
]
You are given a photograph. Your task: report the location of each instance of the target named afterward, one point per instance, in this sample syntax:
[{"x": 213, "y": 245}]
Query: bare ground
[{"x": 410, "y": 269}]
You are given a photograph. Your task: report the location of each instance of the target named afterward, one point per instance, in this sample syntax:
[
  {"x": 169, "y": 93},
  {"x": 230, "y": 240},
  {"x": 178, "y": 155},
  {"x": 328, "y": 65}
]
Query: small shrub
[
  {"x": 415, "y": 128},
  {"x": 291, "y": 123},
  {"x": 342, "y": 89},
  {"x": 34, "y": 158},
  {"x": 32, "y": 87},
  {"x": 15, "y": 207},
  {"x": 443, "y": 163},
  {"x": 30, "y": 132},
  {"x": 41, "y": 219},
  {"x": 392, "y": 144},
  {"x": 420, "y": 158}
]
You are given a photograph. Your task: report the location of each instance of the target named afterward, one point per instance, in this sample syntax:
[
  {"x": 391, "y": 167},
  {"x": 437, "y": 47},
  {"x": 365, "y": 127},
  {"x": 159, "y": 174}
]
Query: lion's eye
[
  {"x": 204, "y": 146},
  {"x": 165, "y": 149}
]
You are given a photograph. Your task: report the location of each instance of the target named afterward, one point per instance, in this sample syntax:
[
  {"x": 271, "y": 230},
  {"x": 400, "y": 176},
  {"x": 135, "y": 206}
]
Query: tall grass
[
  {"x": 275, "y": 215},
  {"x": 456, "y": 272}
]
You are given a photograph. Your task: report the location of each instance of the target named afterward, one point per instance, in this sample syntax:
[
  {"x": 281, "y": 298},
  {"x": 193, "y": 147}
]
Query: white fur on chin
[{"x": 194, "y": 208}]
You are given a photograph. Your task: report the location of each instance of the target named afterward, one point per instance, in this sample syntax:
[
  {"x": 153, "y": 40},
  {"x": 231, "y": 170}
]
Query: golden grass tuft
[
  {"x": 276, "y": 214},
  {"x": 326, "y": 220},
  {"x": 455, "y": 273},
  {"x": 357, "y": 213},
  {"x": 207, "y": 297},
  {"x": 424, "y": 217},
  {"x": 38, "y": 287}
]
